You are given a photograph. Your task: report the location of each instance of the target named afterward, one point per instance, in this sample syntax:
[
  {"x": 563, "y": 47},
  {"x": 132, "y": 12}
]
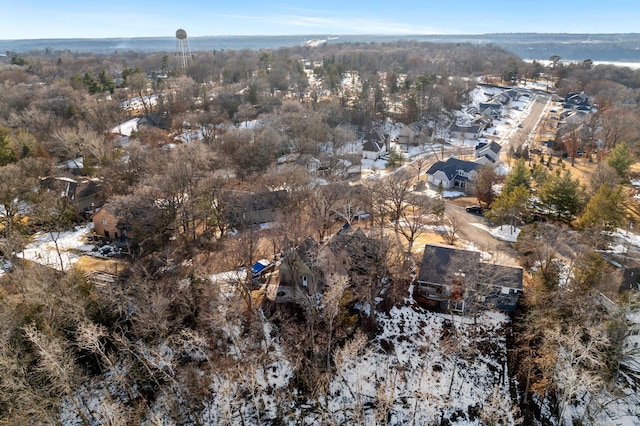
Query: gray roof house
[
  {"x": 469, "y": 131},
  {"x": 375, "y": 144},
  {"x": 452, "y": 279},
  {"x": 575, "y": 100},
  {"x": 453, "y": 173},
  {"x": 487, "y": 153}
]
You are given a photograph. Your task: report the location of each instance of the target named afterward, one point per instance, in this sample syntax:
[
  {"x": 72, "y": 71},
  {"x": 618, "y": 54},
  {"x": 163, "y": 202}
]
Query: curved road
[{"x": 503, "y": 252}]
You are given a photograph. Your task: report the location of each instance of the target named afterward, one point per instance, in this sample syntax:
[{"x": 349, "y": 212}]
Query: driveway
[{"x": 503, "y": 252}]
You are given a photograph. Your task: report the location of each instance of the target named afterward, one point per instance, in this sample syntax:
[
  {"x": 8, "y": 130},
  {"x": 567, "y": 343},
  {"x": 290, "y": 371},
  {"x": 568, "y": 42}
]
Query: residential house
[
  {"x": 482, "y": 121},
  {"x": 503, "y": 98},
  {"x": 107, "y": 225},
  {"x": 513, "y": 94},
  {"x": 298, "y": 269},
  {"x": 629, "y": 279},
  {"x": 577, "y": 101},
  {"x": 573, "y": 118},
  {"x": 490, "y": 109},
  {"x": 84, "y": 194},
  {"x": 154, "y": 119},
  {"x": 75, "y": 166},
  {"x": 376, "y": 143},
  {"x": 249, "y": 208},
  {"x": 349, "y": 254},
  {"x": 487, "y": 153},
  {"x": 453, "y": 173},
  {"x": 410, "y": 134},
  {"x": 466, "y": 131},
  {"x": 347, "y": 165},
  {"x": 453, "y": 279}
]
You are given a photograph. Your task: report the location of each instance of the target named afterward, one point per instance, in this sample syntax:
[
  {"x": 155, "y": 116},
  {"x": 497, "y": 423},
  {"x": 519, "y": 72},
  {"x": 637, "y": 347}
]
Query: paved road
[
  {"x": 504, "y": 254},
  {"x": 530, "y": 123}
]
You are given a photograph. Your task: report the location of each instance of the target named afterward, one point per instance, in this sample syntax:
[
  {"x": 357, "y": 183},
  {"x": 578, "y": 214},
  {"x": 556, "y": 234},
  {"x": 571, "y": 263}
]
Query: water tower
[{"x": 182, "y": 48}]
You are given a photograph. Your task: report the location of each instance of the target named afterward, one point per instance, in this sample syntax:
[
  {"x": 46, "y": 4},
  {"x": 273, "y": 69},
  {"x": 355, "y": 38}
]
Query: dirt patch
[
  {"x": 92, "y": 264},
  {"x": 463, "y": 201},
  {"x": 427, "y": 238}
]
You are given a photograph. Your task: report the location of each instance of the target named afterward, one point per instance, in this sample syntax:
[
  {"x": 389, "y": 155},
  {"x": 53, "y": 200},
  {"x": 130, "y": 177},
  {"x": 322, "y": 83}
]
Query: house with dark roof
[
  {"x": 466, "y": 131},
  {"x": 577, "y": 101},
  {"x": 248, "y": 208},
  {"x": 349, "y": 253},
  {"x": 629, "y": 279},
  {"x": 491, "y": 108},
  {"x": 513, "y": 94},
  {"x": 482, "y": 121},
  {"x": 453, "y": 173},
  {"x": 487, "y": 153},
  {"x": 298, "y": 268},
  {"x": 457, "y": 280},
  {"x": 84, "y": 194},
  {"x": 376, "y": 143}
]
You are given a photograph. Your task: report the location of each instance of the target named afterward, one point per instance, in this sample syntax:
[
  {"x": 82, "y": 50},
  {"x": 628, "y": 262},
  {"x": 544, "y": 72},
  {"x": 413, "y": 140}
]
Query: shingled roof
[{"x": 452, "y": 166}]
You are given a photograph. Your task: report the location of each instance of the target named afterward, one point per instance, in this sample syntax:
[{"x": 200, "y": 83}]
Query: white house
[
  {"x": 376, "y": 143},
  {"x": 453, "y": 173},
  {"x": 487, "y": 153},
  {"x": 469, "y": 131}
]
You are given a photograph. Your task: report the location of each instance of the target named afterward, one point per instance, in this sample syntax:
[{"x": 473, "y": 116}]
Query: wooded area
[{"x": 240, "y": 139}]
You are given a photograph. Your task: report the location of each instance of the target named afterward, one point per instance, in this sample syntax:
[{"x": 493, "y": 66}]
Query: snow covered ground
[
  {"x": 422, "y": 368},
  {"x": 58, "y": 250},
  {"x": 61, "y": 250}
]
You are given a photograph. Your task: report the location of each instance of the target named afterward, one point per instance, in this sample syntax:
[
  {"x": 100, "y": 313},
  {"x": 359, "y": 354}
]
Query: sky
[{"x": 33, "y": 19}]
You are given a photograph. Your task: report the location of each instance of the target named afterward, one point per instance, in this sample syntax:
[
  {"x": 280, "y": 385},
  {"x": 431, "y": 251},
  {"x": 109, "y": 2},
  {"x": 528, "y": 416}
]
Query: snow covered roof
[{"x": 126, "y": 128}]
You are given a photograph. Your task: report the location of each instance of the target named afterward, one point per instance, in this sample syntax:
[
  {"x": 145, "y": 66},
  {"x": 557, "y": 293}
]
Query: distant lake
[{"x": 573, "y": 47}]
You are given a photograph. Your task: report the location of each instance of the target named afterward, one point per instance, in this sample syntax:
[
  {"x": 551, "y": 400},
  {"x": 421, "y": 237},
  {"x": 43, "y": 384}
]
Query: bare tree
[
  {"x": 451, "y": 231},
  {"x": 415, "y": 218},
  {"x": 332, "y": 299},
  {"x": 323, "y": 202},
  {"x": 394, "y": 189}
]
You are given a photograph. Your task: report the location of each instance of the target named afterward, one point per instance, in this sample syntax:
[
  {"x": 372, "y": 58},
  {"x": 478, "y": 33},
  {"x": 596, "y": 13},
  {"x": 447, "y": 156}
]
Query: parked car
[{"x": 474, "y": 210}]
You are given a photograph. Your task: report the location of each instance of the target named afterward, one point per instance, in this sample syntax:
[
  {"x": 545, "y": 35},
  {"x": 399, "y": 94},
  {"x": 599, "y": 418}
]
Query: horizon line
[{"x": 330, "y": 34}]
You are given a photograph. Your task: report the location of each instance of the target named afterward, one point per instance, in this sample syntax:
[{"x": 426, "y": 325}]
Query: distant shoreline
[
  {"x": 632, "y": 65},
  {"x": 605, "y": 48}
]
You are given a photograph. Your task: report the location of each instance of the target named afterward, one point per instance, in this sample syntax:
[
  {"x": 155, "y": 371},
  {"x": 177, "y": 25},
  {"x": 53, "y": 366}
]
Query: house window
[
  {"x": 456, "y": 305},
  {"x": 104, "y": 222}
]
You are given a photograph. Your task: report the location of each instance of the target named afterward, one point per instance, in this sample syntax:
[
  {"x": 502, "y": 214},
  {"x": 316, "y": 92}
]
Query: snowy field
[
  {"x": 61, "y": 250},
  {"x": 58, "y": 250}
]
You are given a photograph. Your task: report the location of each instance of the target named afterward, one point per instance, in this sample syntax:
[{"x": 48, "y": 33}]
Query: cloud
[{"x": 337, "y": 24}]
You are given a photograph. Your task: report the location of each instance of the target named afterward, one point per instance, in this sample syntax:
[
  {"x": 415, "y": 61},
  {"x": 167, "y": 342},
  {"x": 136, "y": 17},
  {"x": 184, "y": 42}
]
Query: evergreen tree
[
  {"x": 106, "y": 81},
  {"x": 518, "y": 176},
  {"x": 620, "y": 159},
  {"x": 6, "y": 153},
  {"x": 606, "y": 209},
  {"x": 396, "y": 159},
  {"x": 562, "y": 195},
  {"x": 510, "y": 207}
]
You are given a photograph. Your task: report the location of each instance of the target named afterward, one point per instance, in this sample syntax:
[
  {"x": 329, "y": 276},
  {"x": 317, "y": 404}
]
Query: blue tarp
[{"x": 259, "y": 266}]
